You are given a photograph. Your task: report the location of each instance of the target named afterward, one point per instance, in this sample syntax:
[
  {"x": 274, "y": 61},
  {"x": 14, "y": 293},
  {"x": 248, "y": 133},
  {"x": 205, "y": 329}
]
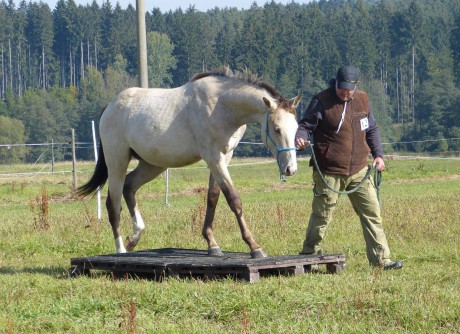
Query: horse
[{"x": 174, "y": 127}]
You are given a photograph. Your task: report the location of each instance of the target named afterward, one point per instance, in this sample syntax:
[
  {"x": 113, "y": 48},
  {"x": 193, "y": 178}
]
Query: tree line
[{"x": 60, "y": 66}]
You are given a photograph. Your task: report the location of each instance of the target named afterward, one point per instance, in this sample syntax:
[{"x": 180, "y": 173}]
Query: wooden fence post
[{"x": 74, "y": 162}]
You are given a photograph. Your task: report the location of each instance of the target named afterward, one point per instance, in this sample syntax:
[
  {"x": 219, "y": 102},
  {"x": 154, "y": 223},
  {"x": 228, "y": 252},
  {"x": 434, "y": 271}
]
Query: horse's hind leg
[
  {"x": 113, "y": 204},
  {"x": 142, "y": 174},
  {"x": 208, "y": 234}
]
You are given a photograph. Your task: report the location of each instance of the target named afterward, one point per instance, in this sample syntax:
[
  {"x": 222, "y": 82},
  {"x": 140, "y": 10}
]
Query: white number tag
[{"x": 364, "y": 124}]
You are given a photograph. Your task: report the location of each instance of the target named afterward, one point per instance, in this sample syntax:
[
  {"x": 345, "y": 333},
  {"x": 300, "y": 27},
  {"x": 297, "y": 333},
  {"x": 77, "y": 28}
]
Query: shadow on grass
[{"x": 55, "y": 272}]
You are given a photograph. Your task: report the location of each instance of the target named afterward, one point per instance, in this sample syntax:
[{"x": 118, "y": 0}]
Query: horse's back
[
  {"x": 152, "y": 123},
  {"x": 179, "y": 126}
]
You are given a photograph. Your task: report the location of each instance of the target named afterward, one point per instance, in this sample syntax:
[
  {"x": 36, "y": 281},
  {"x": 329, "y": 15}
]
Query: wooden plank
[{"x": 161, "y": 263}]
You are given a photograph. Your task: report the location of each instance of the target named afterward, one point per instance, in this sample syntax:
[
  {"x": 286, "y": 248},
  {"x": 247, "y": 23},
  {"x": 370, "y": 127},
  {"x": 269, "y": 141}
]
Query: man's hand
[
  {"x": 379, "y": 163},
  {"x": 301, "y": 144}
]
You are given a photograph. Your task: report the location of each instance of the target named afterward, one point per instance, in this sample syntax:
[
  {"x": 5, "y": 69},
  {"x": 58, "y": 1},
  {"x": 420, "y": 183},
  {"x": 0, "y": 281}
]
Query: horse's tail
[{"x": 98, "y": 179}]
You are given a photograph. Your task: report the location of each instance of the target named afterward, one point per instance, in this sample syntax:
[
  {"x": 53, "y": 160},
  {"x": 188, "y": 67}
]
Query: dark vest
[{"x": 345, "y": 152}]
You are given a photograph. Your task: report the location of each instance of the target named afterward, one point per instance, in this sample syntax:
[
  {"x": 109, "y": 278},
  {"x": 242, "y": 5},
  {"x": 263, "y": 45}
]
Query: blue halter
[{"x": 278, "y": 150}]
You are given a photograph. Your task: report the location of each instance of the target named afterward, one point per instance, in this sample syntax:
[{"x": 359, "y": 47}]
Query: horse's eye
[{"x": 277, "y": 130}]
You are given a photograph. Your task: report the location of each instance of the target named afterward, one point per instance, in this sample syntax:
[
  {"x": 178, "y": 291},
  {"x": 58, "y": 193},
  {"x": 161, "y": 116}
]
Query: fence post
[
  {"x": 74, "y": 170},
  {"x": 167, "y": 187},
  {"x": 52, "y": 155}
]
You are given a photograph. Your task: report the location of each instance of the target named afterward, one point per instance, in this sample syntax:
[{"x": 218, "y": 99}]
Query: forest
[{"x": 60, "y": 66}]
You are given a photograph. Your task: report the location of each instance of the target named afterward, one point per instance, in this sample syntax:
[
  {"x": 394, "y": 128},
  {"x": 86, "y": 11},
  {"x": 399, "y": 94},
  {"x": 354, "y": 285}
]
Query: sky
[{"x": 167, "y": 5}]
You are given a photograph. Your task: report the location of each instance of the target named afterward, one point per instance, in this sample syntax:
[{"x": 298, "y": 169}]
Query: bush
[{"x": 11, "y": 132}]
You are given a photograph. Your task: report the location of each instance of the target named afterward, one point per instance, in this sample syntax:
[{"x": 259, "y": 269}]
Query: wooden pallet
[{"x": 160, "y": 263}]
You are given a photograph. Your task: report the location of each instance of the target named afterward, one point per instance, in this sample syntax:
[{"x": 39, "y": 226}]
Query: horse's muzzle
[{"x": 290, "y": 171}]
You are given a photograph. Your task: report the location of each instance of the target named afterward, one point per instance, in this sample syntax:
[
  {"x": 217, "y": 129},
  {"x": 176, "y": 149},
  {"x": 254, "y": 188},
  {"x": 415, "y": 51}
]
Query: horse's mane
[{"x": 245, "y": 75}]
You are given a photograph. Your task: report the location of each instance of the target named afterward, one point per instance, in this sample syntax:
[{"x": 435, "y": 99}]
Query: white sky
[{"x": 166, "y": 5}]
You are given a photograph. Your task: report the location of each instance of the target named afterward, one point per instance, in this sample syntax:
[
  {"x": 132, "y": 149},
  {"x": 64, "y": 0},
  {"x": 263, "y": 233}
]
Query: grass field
[{"x": 43, "y": 226}]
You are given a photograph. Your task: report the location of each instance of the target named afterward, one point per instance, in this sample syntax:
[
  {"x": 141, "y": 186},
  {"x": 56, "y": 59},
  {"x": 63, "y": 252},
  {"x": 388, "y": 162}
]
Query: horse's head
[{"x": 278, "y": 133}]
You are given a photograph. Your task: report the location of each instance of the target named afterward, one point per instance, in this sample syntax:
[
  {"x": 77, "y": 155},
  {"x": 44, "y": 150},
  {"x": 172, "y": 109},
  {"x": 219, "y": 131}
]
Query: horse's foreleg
[
  {"x": 219, "y": 172},
  {"x": 208, "y": 234},
  {"x": 234, "y": 201}
]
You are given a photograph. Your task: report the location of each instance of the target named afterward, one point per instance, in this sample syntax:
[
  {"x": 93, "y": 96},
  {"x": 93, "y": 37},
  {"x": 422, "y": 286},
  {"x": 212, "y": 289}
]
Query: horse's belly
[
  {"x": 165, "y": 154},
  {"x": 161, "y": 138}
]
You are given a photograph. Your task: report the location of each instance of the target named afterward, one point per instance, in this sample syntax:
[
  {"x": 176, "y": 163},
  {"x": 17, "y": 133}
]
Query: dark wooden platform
[{"x": 161, "y": 263}]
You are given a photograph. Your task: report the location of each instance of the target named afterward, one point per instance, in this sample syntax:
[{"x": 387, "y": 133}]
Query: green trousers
[{"x": 366, "y": 206}]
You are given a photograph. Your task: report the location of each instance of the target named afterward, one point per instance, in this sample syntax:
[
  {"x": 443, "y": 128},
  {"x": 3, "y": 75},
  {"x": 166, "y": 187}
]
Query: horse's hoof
[
  {"x": 215, "y": 251},
  {"x": 130, "y": 244},
  {"x": 258, "y": 254}
]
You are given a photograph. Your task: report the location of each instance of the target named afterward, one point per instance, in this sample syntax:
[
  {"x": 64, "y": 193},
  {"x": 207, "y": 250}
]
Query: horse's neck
[{"x": 245, "y": 108}]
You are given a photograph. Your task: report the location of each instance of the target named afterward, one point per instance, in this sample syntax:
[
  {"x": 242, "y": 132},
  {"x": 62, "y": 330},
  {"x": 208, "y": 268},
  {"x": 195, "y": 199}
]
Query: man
[{"x": 344, "y": 133}]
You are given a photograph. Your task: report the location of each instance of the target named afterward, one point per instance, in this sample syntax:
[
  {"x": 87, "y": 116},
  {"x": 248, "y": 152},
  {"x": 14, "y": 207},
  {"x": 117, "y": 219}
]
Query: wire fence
[
  {"x": 44, "y": 164},
  {"x": 46, "y": 155}
]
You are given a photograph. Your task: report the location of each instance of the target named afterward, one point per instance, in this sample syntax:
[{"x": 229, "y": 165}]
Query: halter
[{"x": 278, "y": 150}]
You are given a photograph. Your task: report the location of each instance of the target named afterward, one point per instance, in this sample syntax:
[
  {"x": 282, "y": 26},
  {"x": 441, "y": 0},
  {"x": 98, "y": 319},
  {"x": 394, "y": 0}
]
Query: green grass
[{"x": 420, "y": 211}]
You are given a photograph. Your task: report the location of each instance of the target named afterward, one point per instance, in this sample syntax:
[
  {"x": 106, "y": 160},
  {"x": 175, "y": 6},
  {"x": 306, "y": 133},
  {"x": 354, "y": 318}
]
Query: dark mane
[{"x": 246, "y": 76}]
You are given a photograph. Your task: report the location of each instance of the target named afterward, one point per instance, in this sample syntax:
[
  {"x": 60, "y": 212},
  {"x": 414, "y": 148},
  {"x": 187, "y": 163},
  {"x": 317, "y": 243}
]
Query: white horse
[{"x": 203, "y": 119}]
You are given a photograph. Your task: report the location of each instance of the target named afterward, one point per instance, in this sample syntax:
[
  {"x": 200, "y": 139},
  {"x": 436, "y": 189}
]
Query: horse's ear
[
  {"x": 295, "y": 101},
  {"x": 267, "y": 103}
]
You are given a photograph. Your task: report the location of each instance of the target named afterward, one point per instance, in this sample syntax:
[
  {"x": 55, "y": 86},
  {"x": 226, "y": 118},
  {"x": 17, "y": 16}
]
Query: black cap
[{"x": 348, "y": 77}]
